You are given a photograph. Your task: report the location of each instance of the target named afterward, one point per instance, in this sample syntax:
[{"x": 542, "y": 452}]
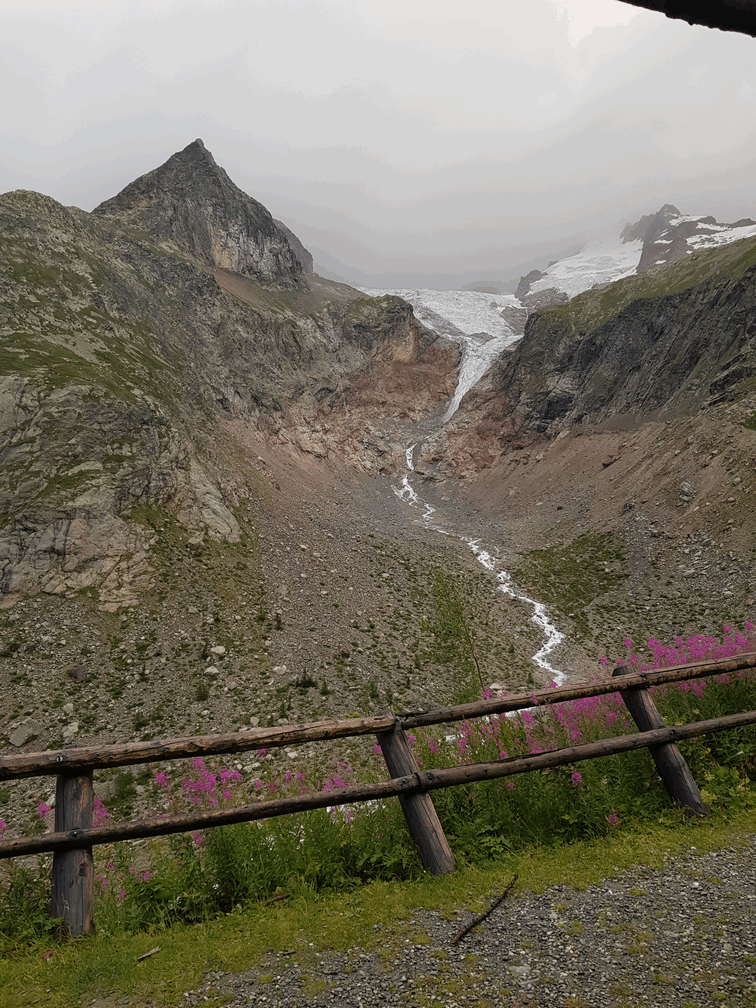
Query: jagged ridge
[{"x": 192, "y": 202}]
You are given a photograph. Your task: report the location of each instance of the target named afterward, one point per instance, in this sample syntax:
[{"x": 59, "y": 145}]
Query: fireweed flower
[
  {"x": 43, "y": 811},
  {"x": 100, "y": 814},
  {"x": 613, "y": 819},
  {"x": 576, "y": 779}
]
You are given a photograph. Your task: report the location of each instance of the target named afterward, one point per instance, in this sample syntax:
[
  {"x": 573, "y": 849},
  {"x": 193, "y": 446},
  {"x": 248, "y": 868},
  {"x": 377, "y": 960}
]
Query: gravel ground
[{"x": 680, "y": 937}]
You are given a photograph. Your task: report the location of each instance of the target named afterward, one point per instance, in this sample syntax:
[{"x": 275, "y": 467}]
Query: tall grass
[{"x": 195, "y": 877}]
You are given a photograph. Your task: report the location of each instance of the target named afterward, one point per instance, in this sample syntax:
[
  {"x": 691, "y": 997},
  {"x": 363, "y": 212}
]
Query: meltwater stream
[{"x": 539, "y": 616}]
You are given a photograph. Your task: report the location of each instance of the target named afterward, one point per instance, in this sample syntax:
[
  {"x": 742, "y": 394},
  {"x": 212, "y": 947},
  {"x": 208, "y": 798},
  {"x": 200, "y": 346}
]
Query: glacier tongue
[
  {"x": 484, "y": 324},
  {"x": 473, "y": 320}
]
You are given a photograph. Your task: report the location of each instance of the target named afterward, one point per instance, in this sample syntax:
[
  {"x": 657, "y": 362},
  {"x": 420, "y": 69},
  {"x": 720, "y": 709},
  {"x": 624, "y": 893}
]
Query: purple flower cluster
[
  {"x": 203, "y": 787},
  {"x": 687, "y": 650}
]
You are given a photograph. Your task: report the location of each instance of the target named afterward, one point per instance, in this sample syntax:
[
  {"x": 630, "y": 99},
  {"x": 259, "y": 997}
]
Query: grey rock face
[
  {"x": 526, "y": 282},
  {"x": 304, "y": 257},
  {"x": 139, "y": 342},
  {"x": 24, "y": 733},
  {"x": 544, "y": 299},
  {"x": 192, "y": 202},
  {"x": 650, "y": 226},
  {"x": 656, "y": 356}
]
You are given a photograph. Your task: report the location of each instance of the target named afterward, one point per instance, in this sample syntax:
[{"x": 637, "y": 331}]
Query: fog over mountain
[{"x": 423, "y": 144}]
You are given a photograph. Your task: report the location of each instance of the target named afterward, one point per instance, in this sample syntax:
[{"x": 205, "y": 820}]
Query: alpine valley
[{"x": 236, "y": 493}]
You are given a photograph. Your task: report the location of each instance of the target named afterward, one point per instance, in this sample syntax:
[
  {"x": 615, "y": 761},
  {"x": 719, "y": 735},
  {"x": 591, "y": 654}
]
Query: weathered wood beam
[
  {"x": 599, "y": 687},
  {"x": 72, "y": 894},
  {"x": 670, "y": 763},
  {"x": 87, "y": 758},
  {"x": 419, "y": 812},
  {"x": 130, "y": 753}
]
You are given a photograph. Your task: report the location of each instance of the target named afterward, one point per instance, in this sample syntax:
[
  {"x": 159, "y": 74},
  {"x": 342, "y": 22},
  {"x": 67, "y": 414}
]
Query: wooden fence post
[
  {"x": 419, "y": 811},
  {"x": 670, "y": 762},
  {"x": 73, "y": 870}
]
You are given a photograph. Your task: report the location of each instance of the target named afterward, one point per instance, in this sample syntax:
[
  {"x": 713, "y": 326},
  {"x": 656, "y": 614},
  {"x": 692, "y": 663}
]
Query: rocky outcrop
[
  {"x": 77, "y": 465},
  {"x": 650, "y": 226},
  {"x": 526, "y": 282},
  {"x": 654, "y": 356},
  {"x": 304, "y": 257},
  {"x": 544, "y": 299},
  {"x": 146, "y": 332},
  {"x": 192, "y": 202},
  {"x": 356, "y": 416}
]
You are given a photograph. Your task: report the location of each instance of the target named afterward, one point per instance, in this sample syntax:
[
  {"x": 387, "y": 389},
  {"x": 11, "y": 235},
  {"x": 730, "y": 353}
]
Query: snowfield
[
  {"x": 601, "y": 262},
  {"x": 721, "y": 235}
]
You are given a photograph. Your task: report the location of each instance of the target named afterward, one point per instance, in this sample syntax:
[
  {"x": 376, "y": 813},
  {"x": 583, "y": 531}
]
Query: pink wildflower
[
  {"x": 100, "y": 814},
  {"x": 576, "y": 779}
]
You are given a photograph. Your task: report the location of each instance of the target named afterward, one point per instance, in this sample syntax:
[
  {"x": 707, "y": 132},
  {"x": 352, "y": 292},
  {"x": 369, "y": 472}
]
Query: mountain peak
[
  {"x": 190, "y": 201},
  {"x": 650, "y": 225}
]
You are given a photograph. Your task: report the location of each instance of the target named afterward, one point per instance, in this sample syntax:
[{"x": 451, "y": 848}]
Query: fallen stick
[
  {"x": 482, "y": 916},
  {"x": 276, "y": 899},
  {"x": 148, "y": 954}
]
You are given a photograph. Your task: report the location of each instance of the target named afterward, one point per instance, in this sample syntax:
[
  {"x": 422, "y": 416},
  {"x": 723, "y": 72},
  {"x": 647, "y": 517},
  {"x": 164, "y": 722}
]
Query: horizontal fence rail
[
  {"x": 420, "y": 781},
  {"x": 561, "y": 694},
  {"x": 132, "y": 753},
  {"x": 74, "y": 837},
  {"x": 89, "y": 758}
]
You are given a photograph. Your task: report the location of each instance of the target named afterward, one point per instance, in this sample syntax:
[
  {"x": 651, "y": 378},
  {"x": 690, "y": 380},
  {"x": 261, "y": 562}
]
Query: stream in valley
[{"x": 478, "y": 353}]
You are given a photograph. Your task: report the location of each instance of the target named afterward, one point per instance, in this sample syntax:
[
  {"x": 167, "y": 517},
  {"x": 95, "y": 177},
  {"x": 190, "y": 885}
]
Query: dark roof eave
[{"x": 727, "y": 15}]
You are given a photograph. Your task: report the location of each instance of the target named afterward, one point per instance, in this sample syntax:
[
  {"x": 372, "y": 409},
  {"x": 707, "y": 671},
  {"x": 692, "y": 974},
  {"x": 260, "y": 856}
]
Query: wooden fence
[{"x": 73, "y": 837}]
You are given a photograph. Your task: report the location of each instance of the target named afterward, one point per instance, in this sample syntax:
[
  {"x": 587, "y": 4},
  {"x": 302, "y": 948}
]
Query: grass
[
  {"x": 571, "y": 576},
  {"x": 106, "y": 965}
]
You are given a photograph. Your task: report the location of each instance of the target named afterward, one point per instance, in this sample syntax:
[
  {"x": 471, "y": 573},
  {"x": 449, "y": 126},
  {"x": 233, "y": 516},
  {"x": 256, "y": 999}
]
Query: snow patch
[{"x": 598, "y": 263}]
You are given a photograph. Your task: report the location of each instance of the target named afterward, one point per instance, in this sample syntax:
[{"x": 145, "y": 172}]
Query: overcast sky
[{"x": 407, "y": 142}]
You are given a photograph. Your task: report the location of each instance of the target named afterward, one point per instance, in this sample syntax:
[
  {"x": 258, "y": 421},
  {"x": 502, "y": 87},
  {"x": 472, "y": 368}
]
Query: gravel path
[{"x": 680, "y": 937}]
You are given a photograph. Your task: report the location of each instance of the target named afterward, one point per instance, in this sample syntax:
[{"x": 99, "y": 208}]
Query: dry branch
[{"x": 482, "y": 916}]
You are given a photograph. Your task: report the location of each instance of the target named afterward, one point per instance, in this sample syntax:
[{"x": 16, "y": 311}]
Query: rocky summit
[{"x": 236, "y": 493}]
